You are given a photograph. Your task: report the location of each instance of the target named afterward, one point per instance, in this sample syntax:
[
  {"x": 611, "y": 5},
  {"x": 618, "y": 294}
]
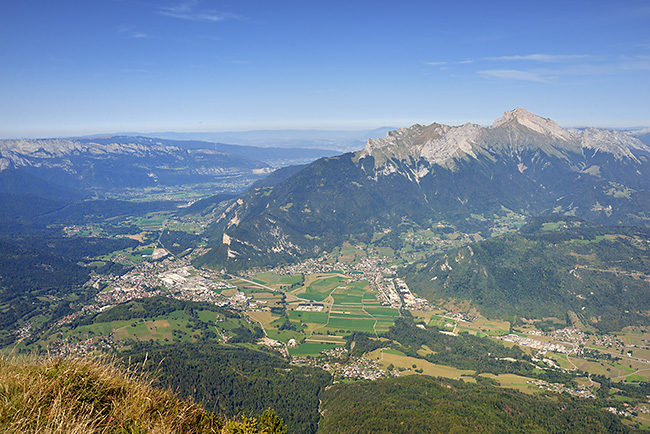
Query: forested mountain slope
[{"x": 553, "y": 266}]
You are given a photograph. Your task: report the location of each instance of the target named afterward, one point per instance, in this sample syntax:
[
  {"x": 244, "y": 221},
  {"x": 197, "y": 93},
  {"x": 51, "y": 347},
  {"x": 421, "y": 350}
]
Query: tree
[
  {"x": 271, "y": 423},
  {"x": 268, "y": 423}
]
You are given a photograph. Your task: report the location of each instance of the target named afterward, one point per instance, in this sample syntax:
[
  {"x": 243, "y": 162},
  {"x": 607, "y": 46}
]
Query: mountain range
[
  {"x": 466, "y": 176},
  {"x": 339, "y": 140},
  {"x": 67, "y": 168}
]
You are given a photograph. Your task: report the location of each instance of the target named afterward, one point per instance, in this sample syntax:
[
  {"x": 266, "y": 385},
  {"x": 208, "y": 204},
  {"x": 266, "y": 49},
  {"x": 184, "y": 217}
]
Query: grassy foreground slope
[{"x": 90, "y": 396}]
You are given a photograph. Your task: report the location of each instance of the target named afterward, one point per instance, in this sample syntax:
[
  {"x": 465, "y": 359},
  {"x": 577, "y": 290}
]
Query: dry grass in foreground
[{"x": 83, "y": 395}]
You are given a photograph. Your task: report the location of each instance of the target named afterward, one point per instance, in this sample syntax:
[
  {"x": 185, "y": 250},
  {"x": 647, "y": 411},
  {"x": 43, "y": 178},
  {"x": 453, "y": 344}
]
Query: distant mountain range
[
  {"x": 642, "y": 134},
  {"x": 339, "y": 140},
  {"x": 273, "y": 156},
  {"x": 466, "y": 176},
  {"x": 65, "y": 168}
]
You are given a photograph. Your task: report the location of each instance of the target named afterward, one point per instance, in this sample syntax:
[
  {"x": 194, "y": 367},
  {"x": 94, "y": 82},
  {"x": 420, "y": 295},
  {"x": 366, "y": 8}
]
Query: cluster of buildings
[
  {"x": 411, "y": 301},
  {"x": 571, "y": 335},
  {"x": 119, "y": 295},
  {"x": 357, "y": 368},
  {"x": 538, "y": 345},
  {"x": 85, "y": 310},
  {"x": 169, "y": 277},
  {"x": 25, "y": 331},
  {"x": 70, "y": 231},
  {"x": 336, "y": 352},
  {"x": 580, "y": 391},
  {"x": 386, "y": 292},
  {"x": 629, "y": 410},
  {"x": 308, "y": 266},
  {"x": 354, "y": 368},
  {"x": 579, "y": 341},
  {"x": 277, "y": 345},
  {"x": 310, "y": 307},
  {"x": 67, "y": 347},
  {"x": 365, "y": 269},
  {"x": 622, "y": 413},
  {"x": 441, "y": 243},
  {"x": 577, "y": 337},
  {"x": 394, "y": 292},
  {"x": 608, "y": 341}
]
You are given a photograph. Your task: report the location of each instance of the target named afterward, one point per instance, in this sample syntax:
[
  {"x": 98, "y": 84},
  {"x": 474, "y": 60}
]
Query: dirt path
[
  {"x": 374, "y": 326},
  {"x": 620, "y": 377},
  {"x": 572, "y": 364},
  {"x": 255, "y": 283}
]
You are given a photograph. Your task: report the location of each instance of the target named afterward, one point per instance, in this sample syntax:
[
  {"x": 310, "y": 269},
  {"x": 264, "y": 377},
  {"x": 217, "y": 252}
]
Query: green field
[
  {"x": 393, "y": 352},
  {"x": 369, "y": 297},
  {"x": 169, "y": 327},
  {"x": 343, "y": 298},
  {"x": 353, "y": 316},
  {"x": 178, "y": 326},
  {"x": 382, "y": 311},
  {"x": 361, "y": 285},
  {"x": 208, "y": 316},
  {"x": 136, "y": 256},
  {"x": 348, "y": 253},
  {"x": 351, "y": 324},
  {"x": 151, "y": 222},
  {"x": 384, "y": 325},
  {"x": 189, "y": 227},
  {"x": 309, "y": 317},
  {"x": 406, "y": 363},
  {"x": 353, "y": 293},
  {"x": 320, "y": 289}
]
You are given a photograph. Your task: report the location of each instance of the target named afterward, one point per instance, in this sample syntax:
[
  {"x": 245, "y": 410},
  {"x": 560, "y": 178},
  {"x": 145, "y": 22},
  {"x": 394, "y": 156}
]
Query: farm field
[
  {"x": 177, "y": 326},
  {"x": 618, "y": 371},
  {"x": 512, "y": 381},
  {"x": 347, "y": 305},
  {"x": 319, "y": 287},
  {"x": 387, "y": 357},
  {"x": 277, "y": 281}
]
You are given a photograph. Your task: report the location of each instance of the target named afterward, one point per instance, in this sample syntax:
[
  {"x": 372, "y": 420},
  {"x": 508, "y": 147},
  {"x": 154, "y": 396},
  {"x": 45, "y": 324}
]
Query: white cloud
[
  {"x": 239, "y": 62},
  {"x": 187, "y": 10},
  {"x": 550, "y": 68},
  {"x": 458, "y": 62},
  {"x": 513, "y": 74},
  {"x": 130, "y": 32},
  {"x": 550, "y": 58}
]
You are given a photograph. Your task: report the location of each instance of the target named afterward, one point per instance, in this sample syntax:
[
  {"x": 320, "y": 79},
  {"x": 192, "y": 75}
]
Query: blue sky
[{"x": 101, "y": 66}]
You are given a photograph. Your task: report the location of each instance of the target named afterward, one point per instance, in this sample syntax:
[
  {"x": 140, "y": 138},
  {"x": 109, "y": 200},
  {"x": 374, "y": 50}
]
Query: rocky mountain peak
[
  {"x": 436, "y": 143},
  {"x": 517, "y": 131},
  {"x": 614, "y": 142},
  {"x": 524, "y": 118}
]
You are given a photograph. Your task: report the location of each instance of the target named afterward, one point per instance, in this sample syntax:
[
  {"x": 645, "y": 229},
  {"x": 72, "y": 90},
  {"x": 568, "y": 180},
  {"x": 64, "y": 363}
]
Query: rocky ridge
[
  {"x": 517, "y": 130},
  {"x": 114, "y": 162}
]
